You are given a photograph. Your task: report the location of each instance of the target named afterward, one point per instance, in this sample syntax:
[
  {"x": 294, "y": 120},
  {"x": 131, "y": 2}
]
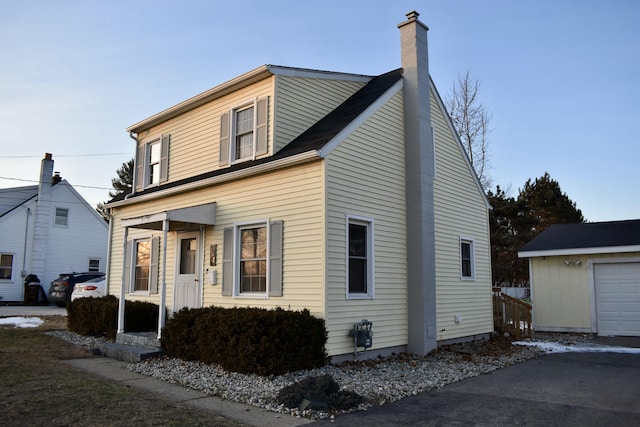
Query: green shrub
[
  {"x": 322, "y": 392},
  {"x": 247, "y": 340},
  {"x": 98, "y": 317}
]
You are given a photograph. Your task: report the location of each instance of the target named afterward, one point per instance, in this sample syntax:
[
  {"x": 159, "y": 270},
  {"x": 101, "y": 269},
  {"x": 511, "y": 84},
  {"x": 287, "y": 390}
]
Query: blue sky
[{"x": 559, "y": 78}]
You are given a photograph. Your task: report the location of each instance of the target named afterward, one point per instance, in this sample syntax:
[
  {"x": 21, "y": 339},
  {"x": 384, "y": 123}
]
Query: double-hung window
[
  {"x": 467, "y": 263},
  {"x": 360, "y": 258},
  {"x": 243, "y": 132},
  {"x": 142, "y": 257},
  {"x": 142, "y": 267},
  {"x": 62, "y": 216},
  {"x": 152, "y": 162},
  {"x": 252, "y": 260},
  {"x": 6, "y": 266}
]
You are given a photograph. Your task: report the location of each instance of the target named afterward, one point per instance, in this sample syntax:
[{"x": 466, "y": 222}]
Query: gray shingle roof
[
  {"x": 586, "y": 235},
  {"x": 10, "y": 198}
]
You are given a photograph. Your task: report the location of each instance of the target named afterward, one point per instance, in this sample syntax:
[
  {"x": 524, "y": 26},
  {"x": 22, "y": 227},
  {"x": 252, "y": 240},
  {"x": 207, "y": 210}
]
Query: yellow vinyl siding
[
  {"x": 459, "y": 211},
  {"x": 293, "y": 195},
  {"x": 365, "y": 176},
  {"x": 301, "y": 102},
  {"x": 563, "y": 296},
  {"x": 195, "y": 135}
]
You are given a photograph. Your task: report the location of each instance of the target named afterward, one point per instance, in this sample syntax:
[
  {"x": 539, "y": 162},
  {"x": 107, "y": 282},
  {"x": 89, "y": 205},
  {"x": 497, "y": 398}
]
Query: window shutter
[
  {"x": 275, "y": 258},
  {"x": 224, "y": 139},
  {"x": 139, "y": 178},
  {"x": 227, "y": 263},
  {"x": 164, "y": 158},
  {"x": 261, "y": 126},
  {"x": 154, "y": 267},
  {"x": 127, "y": 266}
]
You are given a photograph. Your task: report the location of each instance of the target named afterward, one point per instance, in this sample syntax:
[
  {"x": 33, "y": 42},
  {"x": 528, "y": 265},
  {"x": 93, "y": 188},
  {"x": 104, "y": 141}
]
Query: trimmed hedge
[
  {"x": 98, "y": 317},
  {"x": 247, "y": 340}
]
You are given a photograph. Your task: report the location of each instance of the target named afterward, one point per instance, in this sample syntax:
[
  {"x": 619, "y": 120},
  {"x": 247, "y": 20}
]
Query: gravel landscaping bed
[{"x": 380, "y": 380}]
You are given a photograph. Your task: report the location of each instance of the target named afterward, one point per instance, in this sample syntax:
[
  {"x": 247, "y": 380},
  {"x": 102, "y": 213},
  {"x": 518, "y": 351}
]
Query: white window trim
[
  {"x": 146, "y": 175},
  {"x": 13, "y": 259},
  {"x": 93, "y": 259},
  {"x": 470, "y": 241},
  {"x": 132, "y": 263},
  {"x": 369, "y": 223},
  {"x": 236, "y": 259},
  {"x": 232, "y": 131},
  {"x": 55, "y": 211}
]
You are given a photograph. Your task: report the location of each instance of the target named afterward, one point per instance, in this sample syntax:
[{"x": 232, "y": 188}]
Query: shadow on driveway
[{"x": 568, "y": 389}]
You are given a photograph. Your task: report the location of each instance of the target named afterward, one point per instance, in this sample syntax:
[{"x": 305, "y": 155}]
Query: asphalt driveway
[{"x": 566, "y": 389}]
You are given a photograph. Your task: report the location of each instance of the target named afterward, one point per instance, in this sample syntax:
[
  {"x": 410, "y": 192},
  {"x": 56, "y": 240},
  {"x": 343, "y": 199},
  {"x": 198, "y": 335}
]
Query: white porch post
[
  {"x": 163, "y": 284},
  {"x": 121, "y": 304}
]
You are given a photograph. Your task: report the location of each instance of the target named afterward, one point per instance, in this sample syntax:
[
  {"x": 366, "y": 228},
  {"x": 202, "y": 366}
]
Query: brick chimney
[{"x": 419, "y": 169}]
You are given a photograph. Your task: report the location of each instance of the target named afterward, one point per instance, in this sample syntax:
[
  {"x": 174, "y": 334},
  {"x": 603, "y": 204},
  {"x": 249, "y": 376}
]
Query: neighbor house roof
[
  {"x": 11, "y": 198},
  {"x": 312, "y": 140},
  {"x": 585, "y": 238}
]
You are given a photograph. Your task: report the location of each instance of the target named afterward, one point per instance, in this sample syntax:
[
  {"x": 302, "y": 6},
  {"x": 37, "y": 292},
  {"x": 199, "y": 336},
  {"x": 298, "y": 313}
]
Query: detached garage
[{"x": 586, "y": 278}]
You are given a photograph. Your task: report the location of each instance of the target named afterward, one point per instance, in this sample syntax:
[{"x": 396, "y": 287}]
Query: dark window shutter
[
  {"x": 127, "y": 266},
  {"x": 154, "y": 267},
  {"x": 140, "y": 160},
  {"x": 164, "y": 158},
  {"x": 261, "y": 126},
  {"x": 275, "y": 259},
  {"x": 224, "y": 139},
  {"x": 227, "y": 263}
]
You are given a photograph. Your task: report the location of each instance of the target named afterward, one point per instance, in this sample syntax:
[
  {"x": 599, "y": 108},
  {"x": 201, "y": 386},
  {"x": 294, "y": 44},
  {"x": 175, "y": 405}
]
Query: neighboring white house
[
  {"x": 47, "y": 229},
  {"x": 586, "y": 278}
]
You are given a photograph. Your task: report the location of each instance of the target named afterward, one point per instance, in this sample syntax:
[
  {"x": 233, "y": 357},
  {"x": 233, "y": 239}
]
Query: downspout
[
  {"x": 106, "y": 269},
  {"x": 23, "y": 273},
  {"x": 135, "y": 166}
]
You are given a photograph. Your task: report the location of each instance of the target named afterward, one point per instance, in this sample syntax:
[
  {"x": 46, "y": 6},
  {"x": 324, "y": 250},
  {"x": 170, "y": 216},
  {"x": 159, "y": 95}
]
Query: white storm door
[{"x": 188, "y": 270}]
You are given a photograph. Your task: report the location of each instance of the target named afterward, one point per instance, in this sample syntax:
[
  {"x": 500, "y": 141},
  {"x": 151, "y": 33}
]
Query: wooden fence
[{"x": 511, "y": 315}]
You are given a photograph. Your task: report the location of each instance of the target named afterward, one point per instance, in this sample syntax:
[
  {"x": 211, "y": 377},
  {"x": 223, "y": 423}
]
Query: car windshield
[{"x": 94, "y": 280}]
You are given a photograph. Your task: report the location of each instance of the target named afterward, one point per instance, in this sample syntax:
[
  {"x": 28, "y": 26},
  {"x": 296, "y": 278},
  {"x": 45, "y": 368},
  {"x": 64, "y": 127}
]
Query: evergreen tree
[{"x": 122, "y": 184}]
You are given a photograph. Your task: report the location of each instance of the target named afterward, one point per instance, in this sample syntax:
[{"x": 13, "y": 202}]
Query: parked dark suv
[{"x": 61, "y": 288}]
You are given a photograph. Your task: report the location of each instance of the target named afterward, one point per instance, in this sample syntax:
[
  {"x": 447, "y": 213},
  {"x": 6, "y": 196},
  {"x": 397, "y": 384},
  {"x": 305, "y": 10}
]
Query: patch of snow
[
  {"x": 554, "y": 347},
  {"x": 22, "y": 322}
]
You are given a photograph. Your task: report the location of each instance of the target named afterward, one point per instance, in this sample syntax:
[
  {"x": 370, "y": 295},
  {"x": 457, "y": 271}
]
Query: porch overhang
[{"x": 178, "y": 219}]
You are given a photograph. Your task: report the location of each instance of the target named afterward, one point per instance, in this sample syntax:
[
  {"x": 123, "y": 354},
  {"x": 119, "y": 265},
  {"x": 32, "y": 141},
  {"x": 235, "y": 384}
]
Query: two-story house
[
  {"x": 348, "y": 195},
  {"x": 47, "y": 229}
]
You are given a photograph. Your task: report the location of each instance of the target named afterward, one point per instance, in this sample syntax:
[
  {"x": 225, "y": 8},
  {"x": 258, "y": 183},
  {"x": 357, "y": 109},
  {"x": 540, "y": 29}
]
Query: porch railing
[{"x": 511, "y": 315}]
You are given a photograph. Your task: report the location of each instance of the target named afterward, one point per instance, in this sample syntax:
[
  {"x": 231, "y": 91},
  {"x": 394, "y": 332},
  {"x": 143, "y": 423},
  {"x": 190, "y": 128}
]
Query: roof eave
[
  {"x": 579, "y": 251},
  {"x": 232, "y": 85}
]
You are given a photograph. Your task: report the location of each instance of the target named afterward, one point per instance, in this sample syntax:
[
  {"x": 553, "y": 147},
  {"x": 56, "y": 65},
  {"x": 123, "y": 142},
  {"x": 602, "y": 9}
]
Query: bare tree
[{"x": 471, "y": 120}]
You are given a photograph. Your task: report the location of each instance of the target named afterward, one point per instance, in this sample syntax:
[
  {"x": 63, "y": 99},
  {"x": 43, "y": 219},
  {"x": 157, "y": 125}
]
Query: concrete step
[
  {"x": 141, "y": 339},
  {"x": 127, "y": 352},
  {"x": 132, "y": 347}
]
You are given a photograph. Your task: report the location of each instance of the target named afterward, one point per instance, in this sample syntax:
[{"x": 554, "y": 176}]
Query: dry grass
[{"x": 39, "y": 389}]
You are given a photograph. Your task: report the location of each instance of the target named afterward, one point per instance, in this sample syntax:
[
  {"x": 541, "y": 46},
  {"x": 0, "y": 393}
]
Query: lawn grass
[{"x": 37, "y": 388}]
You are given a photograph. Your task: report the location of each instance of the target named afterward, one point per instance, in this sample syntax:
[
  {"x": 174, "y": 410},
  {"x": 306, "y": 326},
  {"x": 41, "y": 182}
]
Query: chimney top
[
  {"x": 47, "y": 156},
  {"x": 56, "y": 178},
  {"x": 411, "y": 18}
]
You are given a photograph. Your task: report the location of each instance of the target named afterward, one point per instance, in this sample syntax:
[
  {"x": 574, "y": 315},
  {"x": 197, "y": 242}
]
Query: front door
[{"x": 187, "y": 288}]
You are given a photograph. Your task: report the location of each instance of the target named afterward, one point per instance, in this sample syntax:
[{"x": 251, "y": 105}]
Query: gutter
[{"x": 135, "y": 166}]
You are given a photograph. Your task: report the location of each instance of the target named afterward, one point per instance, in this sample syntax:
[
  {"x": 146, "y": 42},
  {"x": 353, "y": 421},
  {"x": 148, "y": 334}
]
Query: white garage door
[{"x": 618, "y": 298}]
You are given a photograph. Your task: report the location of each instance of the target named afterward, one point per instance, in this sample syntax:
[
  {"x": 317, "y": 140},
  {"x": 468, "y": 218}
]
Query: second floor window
[
  {"x": 243, "y": 132},
  {"x": 152, "y": 162},
  {"x": 62, "y": 216}
]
